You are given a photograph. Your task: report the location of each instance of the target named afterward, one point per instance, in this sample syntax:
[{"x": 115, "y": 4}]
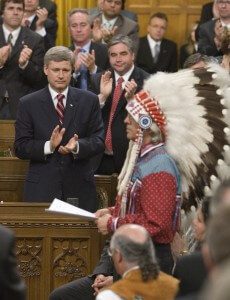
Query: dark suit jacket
[
  {"x": 206, "y": 44},
  {"x": 206, "y": 12},
  {"x": 167, "y": 60},
  {"x": 101, "y": 60},
  {"x": 11, "y": 285},
  {"x": 57, "y": 175},
  {"x": 125, "y": 26},
  {"x": 184, "y": 54},
  {"x": 191, "y": 272},
  {"x": 20, "y": 82},
  {"x": 119, "y": 138},
  {"x": 51, "y": 31}
]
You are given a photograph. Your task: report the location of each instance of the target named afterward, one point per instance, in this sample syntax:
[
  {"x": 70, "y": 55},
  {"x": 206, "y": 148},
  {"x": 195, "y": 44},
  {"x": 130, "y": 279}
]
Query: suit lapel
[
  {"x": 70, "y": 109},
  {"x": 2, "y": 37},
  {"x": 20, "y": 42},
  {"x": 148, "y": 54},
  {"x": 49, "y": 109}
]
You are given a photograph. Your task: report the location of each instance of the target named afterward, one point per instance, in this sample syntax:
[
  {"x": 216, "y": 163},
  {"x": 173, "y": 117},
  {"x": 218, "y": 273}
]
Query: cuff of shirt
[
  {"x": 76, "y": 149},
  {"x": 41, "y": 31},
  {"x": 24, "y": 66},
  {"x": 47, "y": 148}
]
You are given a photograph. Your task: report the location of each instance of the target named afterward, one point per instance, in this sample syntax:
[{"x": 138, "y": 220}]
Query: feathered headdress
[{"x": 192, "y": 110}]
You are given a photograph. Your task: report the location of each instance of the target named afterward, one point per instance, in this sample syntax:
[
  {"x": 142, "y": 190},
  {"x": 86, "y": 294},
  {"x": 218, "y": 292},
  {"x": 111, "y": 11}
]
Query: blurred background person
[
  {"x": 12, "y": 287},
  {"x": 190, "y": 47},
  {"x": 36, "y": 18},
  {"x": 155, "y": 52}
]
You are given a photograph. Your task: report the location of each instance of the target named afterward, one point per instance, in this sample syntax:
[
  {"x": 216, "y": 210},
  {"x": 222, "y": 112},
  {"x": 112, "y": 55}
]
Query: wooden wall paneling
[{"x": 52, "y": 249}]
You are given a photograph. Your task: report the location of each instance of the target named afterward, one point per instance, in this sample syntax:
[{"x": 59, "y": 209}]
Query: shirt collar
[
  {"x": 225, "y": 25},
  {"x": 86, "y": 47},
  {"x": 149, "y": 147},
  {"x": 152, "y": 42},
  {"x": 125, "y": 76},
  {"x": 108, "y": 23},
  {"x": 15, "y": 33},
  {"x": 54, "y": 94}
]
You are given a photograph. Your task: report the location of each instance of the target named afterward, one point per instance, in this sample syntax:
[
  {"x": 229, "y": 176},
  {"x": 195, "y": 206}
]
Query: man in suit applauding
[
  {"x": 21, "y": 58},
  {"x": 59, "y": 129},
  {"x": 156, "y": 53},
  {"x": 90, "y": 57}
]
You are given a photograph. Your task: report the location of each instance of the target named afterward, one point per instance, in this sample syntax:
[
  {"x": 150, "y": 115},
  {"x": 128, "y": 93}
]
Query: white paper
[{"x": 59, "y": 206}]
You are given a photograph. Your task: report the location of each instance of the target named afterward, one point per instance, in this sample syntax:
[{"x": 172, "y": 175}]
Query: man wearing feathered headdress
[{"x": 179, "y": 145}]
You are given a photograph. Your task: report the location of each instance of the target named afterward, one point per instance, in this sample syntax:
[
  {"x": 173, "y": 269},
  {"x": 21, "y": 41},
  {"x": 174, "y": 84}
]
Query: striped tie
[{"x": 60, "y": 108}]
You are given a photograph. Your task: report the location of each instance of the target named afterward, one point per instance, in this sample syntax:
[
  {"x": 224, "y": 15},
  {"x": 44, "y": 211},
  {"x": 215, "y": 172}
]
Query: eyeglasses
[{"x": 223, "y": 2}]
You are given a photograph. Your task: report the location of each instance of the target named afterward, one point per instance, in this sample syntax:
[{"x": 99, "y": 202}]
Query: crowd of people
[{"x": 100, "y": 107}]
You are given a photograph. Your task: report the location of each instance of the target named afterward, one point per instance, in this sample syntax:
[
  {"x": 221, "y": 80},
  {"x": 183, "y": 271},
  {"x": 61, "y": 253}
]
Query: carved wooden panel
[{"x": 52, "y": 249}]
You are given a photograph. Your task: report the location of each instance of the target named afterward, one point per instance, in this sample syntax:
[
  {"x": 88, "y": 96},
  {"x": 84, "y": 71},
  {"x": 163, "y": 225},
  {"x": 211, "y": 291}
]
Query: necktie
[
  {"x": 116, "y": 97},
  {"x": 60, "y": 108},
  {"x": 83, "y": 72},
  {"x": 9, "y": 40},
  {"x": 157, "y": 52}
]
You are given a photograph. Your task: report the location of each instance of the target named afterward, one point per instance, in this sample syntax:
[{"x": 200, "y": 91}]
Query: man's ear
[{"x": 45, "y": 69}]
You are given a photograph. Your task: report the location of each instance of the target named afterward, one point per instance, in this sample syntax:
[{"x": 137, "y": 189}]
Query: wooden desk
[{"x": 52, "y": 249}]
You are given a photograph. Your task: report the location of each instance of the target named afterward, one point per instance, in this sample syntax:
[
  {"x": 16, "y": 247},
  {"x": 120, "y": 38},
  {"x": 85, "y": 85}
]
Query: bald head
[{"x": 134, "y": 232}]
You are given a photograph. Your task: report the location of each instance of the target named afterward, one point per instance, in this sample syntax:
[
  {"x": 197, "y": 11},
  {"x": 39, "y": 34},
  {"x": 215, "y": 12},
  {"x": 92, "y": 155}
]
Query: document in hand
[{"x": 59, "y": 206}]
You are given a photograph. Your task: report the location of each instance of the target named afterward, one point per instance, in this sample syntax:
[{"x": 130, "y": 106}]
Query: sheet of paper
[{"x": 59, "y": 206}]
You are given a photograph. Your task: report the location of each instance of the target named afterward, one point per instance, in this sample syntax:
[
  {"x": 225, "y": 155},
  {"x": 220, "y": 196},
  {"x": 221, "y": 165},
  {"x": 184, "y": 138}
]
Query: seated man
[
  {"x": 12, "y": 287},
  {"x": 133, "y": 254}
]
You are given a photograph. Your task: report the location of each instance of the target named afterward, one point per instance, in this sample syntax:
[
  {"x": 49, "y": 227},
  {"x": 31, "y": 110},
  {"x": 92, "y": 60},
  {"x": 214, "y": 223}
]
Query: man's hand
[
  {"x": 102, "y": 224},
  {"x": 24, "y": 56},
  {"x": 88, "y": 60},
  {"x": 56, "y": 137},
  {"x": 97, "y": 30},
  {"x": 42, "y": 14},
  {"x": 4, "y": 54},
  {"x": 70, "y": 146},
  {"x": 130, "y": 88},
  {"x": 106, "y": 84},
  {"x": 107, "y": 34},
  {"x": 100, "y": 282},
  {"x": 101, "y": 212}
]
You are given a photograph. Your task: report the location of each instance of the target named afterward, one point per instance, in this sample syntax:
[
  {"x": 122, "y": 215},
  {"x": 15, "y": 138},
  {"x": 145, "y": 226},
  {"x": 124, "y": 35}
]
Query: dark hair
[
  {"x": 159, "y": 15},
  {"x": 225, "y": 42},
  {"x": 4, "y": 2},
  {"x": 196, "y": 58}
]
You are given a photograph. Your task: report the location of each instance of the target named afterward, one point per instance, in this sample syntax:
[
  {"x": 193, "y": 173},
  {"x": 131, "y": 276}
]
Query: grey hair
[
  {"x": 78, "y": 10},
  {"x": 124, "y": 39},
  {"x": 217, "y": 198},
  {"x": 143, "y": 254},
  {"x": 156, "y": 133},
  {"x": 59, "y": 53}
]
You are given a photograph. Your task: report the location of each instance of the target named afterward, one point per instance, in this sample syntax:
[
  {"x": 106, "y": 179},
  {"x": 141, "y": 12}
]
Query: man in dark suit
[
  {"x": 37, "y": 19},
  {"x": 156, "y": 53},
  {"x": 121, "y": 56},
  {"x": 90, "y": 57},
  {"x": 11, "y": 285},
  {"x": 21, "y": 59},
  {"x": 126, "y": 13},
  {"x": 59, "y": 128},
  {"x": 111, "y": 22},
  {"x": 210, "y": 33}
]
